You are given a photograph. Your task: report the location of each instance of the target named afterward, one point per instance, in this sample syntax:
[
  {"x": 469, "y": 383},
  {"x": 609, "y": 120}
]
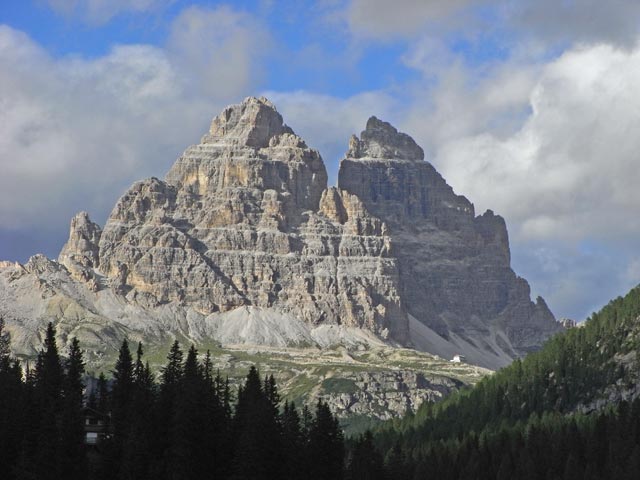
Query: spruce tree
[
  {"x": 189, "y": 453},
  {"x": 366, "y": 462},
  {"x": 294, "y": 445},
  {"x": 326, "y": 445},
  {"x": 11, "y": 406},
  {"x": 73, "y": 459},
  {"x": 122, "y": 390},
  {"x": 137, "y": 450},
  {"x": 171, "y": 380},
  {"x": 48, "y": 396},
  {"x": 257, "y": 440},
  {"x": 102, "y": 397},
  {"x": 121, "y": 397}
]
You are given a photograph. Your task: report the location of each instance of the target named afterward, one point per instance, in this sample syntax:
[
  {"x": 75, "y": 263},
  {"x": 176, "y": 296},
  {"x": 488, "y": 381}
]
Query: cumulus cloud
[
  {"x": 385, "y": 19},
  {"x": 542, "y": 22},
  {"x": 584, "y": 21},
  {"x": 77, "y": 127},
  {"x": 219, "y": 49},
  {"x": 77, "y": 132},
  {"x": 571, "y": 171},
  {"x": 98, "y": 12},
  {"x": 463, "y": 100}
]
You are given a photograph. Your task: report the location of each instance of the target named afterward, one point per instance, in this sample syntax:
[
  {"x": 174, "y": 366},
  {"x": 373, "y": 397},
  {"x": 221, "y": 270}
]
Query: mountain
[
  {"x": 455, "y": 281},
  {"x": 244, "y": 243}
]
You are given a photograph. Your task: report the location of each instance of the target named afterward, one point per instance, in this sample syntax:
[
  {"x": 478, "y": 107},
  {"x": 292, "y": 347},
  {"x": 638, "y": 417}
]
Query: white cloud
[
  {"x": 77, "y": 132},
  {"x": 387, "y": 19},
  {"x": 218, "y": 49},
  {"x": 571, "y": 171},
  {"x": 540, "y": 23},
  {"x": 98, "y": 12},
  {"x": 588, "y": 21}
]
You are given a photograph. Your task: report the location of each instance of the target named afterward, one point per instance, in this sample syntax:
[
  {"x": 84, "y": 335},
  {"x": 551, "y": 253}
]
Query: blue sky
[{"x": 529, "y": 108}]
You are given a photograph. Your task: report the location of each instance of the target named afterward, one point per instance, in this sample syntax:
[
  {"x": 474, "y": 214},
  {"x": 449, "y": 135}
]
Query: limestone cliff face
[
  {"x": 243, "y": 242},
  {"x": 455, "y": 275},
  {"x": 245, "y": 219}
]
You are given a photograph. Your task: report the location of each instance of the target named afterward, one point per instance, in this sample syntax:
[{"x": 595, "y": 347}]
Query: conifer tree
[
  {"x": 271, "y": 393},
  {"x": 189, "y": 453},
  {"x": 172, "y": 372},
  {"x": 48, "y": 396},
  {"x": 325, "y": 445},
  {"x": 122, "y": 390},
  {"x": 73, "y": 459},
  {"x": 365, "y": 462},
  {"x": 121, "y": 396},
  {"x": 294, "y": 445},
  {"x": 11, "y": 406},
  {"x": 137, "y": 454},
  {"x": 171, "y": 379},
  {"x": 102, "y": 397},
  {"x": 256, "y": 431}
]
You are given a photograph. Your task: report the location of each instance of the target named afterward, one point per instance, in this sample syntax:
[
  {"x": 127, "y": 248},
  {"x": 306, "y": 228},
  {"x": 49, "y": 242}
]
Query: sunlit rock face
[
  {"x": 243, "y": 230},
  {"x": 456, "y": 282}
]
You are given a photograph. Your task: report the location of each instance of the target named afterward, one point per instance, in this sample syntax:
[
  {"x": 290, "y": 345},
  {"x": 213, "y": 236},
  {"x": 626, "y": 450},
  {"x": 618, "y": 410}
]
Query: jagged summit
[
  {"x": 252, "y": 123},
  {"x": 381, "y": 140},
  {"x": 455, "y": 278},
  {"x": 244, "y": 243}
]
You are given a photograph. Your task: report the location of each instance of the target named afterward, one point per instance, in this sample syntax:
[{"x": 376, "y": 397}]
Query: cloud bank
[{"x": 77, "y": 132}]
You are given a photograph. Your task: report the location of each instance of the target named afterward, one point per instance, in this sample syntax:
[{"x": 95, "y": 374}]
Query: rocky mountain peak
[
  {"x": 84, "y": 237},
  {"x": 252, "y": 123},
  {"x": 381, "y": 140},
  {"x": 243, "y": 232}
]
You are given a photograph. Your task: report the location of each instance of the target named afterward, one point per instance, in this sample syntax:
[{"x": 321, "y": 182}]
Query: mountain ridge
[{"x": 245, "y": 220}]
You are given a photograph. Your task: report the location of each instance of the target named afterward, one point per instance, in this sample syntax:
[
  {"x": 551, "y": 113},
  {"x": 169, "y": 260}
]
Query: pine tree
[
  {"x": 172, "y": 372},
  {"x": 11, "y": 406},
  {"x": 294, "y": 445},
  {"x": 48, "y": 397},
  {"x": 188, "y": 450},
  {"x": 271, "y": 392},
  {"x": 102, "y": 397},
  {"x": 325, "y": 445},
  {"x": 137, "y": 449},
  {"x": 73, "y": 459},
  {"x": 122, "y": 390},
  {"x": 395, "y": 463},
  {"x": 121, "y": 397},
  {"x": 257, "y": 450},
  {"x": 170, "y": 384},
  {"x": 365, "y": 462}
]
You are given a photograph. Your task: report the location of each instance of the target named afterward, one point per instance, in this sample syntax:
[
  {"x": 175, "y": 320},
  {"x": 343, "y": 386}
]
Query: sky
[{"x": 530, "y": 108}]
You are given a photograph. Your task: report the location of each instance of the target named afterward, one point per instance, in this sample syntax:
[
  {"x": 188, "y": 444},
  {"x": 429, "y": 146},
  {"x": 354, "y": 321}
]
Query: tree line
[
  {"x": 187, "y": 424},
  {"x": 521, "y": 422}
]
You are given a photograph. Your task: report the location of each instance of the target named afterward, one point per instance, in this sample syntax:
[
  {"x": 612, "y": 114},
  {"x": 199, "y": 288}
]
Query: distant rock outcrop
[{"x": 244, "y": 230}]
